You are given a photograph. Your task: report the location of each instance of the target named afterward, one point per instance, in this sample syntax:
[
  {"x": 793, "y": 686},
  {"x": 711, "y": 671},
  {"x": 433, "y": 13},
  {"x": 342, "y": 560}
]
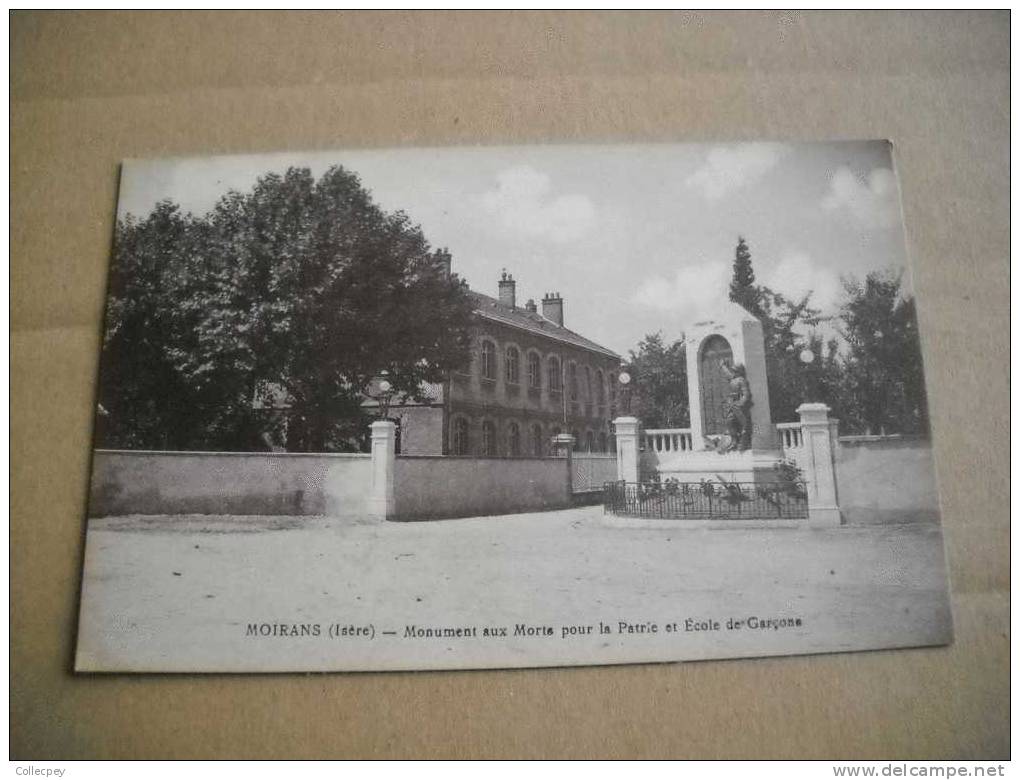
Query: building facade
[{"x": 529, "y": 378}]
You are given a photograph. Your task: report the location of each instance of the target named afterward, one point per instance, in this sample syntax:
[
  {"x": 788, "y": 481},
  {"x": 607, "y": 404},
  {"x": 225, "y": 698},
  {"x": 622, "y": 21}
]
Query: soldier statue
[{"x": 737, "y": 408}]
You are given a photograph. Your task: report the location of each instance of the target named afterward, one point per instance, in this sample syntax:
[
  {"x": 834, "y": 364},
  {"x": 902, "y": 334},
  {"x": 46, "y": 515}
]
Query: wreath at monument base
[{"x": 720, "y": 442}]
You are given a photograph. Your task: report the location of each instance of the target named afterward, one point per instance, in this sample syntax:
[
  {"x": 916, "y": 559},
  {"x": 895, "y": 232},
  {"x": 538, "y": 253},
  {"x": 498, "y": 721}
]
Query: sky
[{"x": 637, "y": 239}]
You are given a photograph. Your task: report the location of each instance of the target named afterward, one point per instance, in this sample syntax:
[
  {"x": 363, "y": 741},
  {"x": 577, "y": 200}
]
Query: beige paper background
[{"x": 89, "y": 89}]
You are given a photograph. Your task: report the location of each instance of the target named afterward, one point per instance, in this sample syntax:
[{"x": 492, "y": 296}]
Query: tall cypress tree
[{"x": 742, "y": 287}]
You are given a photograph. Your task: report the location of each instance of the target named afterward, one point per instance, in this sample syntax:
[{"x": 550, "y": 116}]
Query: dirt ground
[{"x": 202, "y": 593}]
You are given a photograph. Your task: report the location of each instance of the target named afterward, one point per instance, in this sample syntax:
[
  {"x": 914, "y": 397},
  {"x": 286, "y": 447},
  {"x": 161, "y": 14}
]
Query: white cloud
[
  {"x": 693, "y": 291},
  {"x": 691, "y": 294},
  {"x": 872, "y": 202},
  {"x": 728, "y": 168},
  {"x": 796, "y": 275},
  {"x": 523, "y": 201}
]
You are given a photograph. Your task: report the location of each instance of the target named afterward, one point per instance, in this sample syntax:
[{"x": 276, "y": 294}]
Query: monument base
[{"x": 759, "y": 466}]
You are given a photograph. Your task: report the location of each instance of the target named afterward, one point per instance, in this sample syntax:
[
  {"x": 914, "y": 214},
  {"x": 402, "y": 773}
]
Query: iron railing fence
[{"x": 707, "y": 500}]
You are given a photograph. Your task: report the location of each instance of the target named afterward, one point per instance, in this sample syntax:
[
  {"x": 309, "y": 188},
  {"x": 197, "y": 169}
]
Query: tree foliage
[
  {"x": 873, "y": 381},
  {"x": 306, "y": 284},
  {"x": 660, "y": 374},
  {"x": 742, "y": 287},
  {"x": 784, "y": 321},
  {"x": 882, "y": 376}
]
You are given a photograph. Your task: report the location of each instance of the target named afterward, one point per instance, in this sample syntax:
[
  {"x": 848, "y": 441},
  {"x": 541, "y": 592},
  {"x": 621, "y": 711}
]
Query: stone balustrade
[
  {"x": 791, "y": 437},
  {"x": 792, "y": 442},
  {"x": 668, "y": 440}
]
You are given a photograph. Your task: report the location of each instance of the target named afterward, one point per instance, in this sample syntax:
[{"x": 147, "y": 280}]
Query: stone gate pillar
[
  {"x": 819, "y": 465},
  {"x": 563, "y": 446},
  {"x": 627, "y": 450},
  {"x": 382, "y": 498}
]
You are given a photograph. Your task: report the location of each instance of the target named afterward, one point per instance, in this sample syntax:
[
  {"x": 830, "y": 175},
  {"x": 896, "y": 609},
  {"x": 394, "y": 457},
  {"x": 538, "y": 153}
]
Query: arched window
[
  {"x": 461, "y": 437},
  {"x": 572, "y": 381},
  {"x": 589, "y": 442},
  {"x": 537, "y": 444},
  {"x": 534, "y": 371},
  {"x": 488, "y": 360},
  {"x": 513, "y": 362},
  {"x": 488, "y": 439},
  {"x": 555, "y": 381},
  {"x": 600, "y": 387},
  {"x": 602, "y": 442},
  {"x": 513, "y": 440},
  {"x": 612, "y": 387}
]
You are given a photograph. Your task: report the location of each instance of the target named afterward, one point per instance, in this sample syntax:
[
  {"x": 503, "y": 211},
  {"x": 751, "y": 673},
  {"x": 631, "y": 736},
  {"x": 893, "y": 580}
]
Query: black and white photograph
[{"x": 510, "y": 406}]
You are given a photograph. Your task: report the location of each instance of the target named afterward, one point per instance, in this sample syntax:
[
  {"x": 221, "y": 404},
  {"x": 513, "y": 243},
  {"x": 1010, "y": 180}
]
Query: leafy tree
[
  {"x": 660, "y": 373},
  {"x": 306, "y": 284},
  {"x": 145, "y": 400},
  {"x": 882, "y": 372},
  {"x": 784, "y": 322}
]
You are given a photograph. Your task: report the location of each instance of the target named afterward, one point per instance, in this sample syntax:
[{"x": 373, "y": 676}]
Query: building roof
[{"x": 515, "y": 317}]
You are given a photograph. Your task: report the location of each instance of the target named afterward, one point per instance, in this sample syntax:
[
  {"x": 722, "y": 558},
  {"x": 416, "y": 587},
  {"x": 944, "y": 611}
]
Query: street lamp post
[
  {"x": 807, "y": 357},
  {"x": 385, "y": 394},
  {"x": 624, "y": 379}
]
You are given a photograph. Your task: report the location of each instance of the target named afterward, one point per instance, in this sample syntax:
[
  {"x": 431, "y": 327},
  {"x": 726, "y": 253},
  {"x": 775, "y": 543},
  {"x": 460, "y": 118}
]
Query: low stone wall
[
  {"x": 878, "y": 480},
  {"x": 214, "y": 483},
  {"x": 886, "y": 479},
  {"x": 436, "y": 487}
]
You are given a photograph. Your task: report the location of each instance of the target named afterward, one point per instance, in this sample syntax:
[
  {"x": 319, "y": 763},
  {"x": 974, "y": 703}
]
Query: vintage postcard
[{"x": 510, "y": 407}]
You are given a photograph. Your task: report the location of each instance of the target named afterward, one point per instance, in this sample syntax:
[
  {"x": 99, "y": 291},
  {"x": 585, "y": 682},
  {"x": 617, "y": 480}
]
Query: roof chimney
[
  {"x": 444, "y": 260},
  {"x": 507, "y": 290},
  {"x": 552, "y": 308},
  {"x": 530, "y": 306}
]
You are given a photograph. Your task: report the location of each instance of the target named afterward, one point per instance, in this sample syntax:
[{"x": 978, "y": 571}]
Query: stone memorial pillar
[
  {"x": 627, "y": 450},
  {"x": 819, "y": 466},
  {"x": 382, "y": 499},
  {"x": 735, "y": 336}
]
